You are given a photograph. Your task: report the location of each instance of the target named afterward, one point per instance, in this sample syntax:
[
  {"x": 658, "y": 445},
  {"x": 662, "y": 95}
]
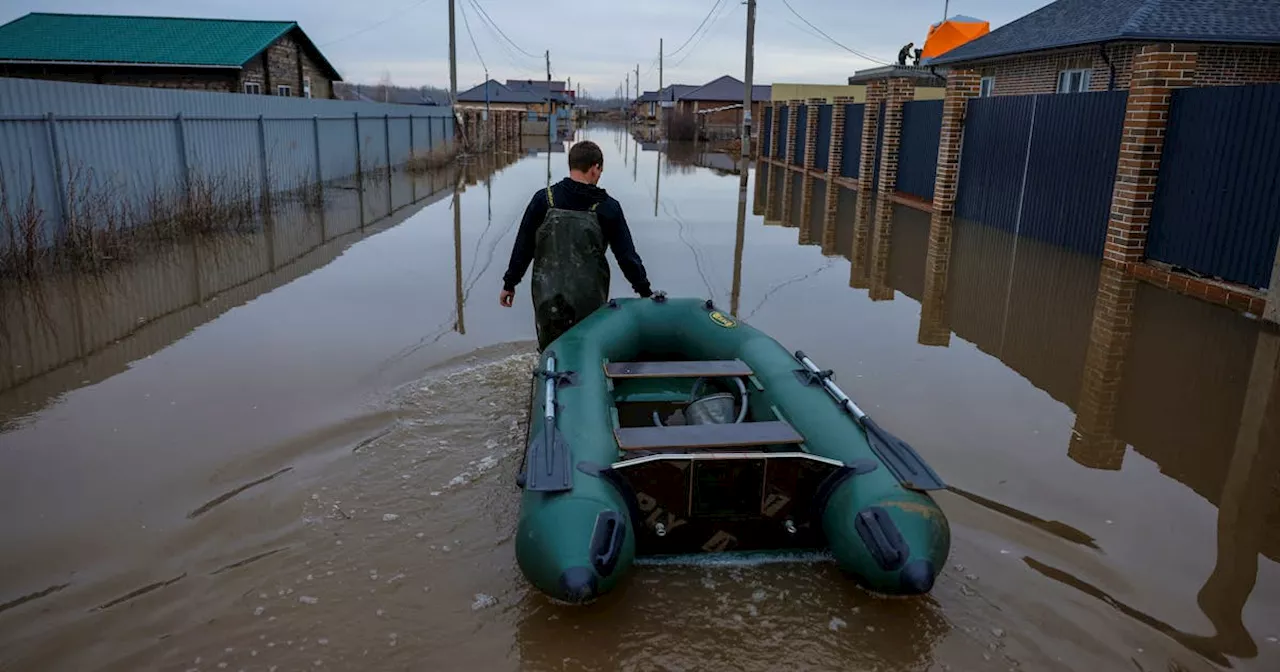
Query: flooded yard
[{"x": 296, "y": 449}]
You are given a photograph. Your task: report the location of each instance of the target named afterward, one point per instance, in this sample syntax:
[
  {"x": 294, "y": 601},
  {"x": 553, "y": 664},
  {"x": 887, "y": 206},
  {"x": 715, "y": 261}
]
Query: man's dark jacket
[{"x": 569, "y": 194}]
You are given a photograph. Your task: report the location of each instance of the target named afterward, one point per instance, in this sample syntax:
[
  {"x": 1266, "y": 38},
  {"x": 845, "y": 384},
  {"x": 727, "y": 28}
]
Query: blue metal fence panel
[
  {"x": 852, "y": 153},
  {"x": 1217, "y": 204},
  {"x": 766, "y": 133},
  {"x": 128, "y": 142},
  {"x": 918, "y": 151},
  {"x": 1071, "y": 168},
  {"x": 994, "y": 155},
  {"x": 802, "y": 123},
  {"x": 822, "y": 147},
  {"x": 783, "y": 115}
]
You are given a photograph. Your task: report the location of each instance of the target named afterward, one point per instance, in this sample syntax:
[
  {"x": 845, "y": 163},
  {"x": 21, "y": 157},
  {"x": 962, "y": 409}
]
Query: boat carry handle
[{"x": 606, "y": 541}]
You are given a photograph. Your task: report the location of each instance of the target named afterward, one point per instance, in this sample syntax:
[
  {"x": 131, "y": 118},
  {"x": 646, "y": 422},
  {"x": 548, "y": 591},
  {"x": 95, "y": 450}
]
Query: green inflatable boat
[{"x": 666, "y": 427}]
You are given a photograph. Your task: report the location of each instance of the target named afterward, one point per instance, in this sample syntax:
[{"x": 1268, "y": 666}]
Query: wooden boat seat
[
  {"x": 740, "y": 435},
  {"x": 699, "y": 369}
]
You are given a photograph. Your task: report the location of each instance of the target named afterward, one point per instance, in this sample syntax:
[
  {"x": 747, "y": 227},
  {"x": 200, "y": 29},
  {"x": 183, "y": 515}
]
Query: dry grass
[{"x": 101, "y": 228}]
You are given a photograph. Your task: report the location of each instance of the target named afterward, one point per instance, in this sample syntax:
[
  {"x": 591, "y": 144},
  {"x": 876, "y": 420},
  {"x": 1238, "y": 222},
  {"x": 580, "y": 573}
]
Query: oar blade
[
  {"x": 901, "y": 459},
  {"x": 549, "y": 462}
]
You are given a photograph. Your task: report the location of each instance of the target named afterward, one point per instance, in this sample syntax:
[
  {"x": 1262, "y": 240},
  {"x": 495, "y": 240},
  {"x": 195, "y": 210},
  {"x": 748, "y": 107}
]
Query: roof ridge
[
  {"x": 151, "y": 16},
  {"x": 1138, "y": 16}
]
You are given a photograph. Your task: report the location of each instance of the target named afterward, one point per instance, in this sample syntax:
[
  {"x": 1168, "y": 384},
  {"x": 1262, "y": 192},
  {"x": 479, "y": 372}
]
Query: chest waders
[{"x": 570, "y": 271}]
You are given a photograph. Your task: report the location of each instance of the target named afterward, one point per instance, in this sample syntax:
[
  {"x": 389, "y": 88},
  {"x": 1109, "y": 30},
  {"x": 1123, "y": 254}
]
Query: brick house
[
  {"x": 716, "y": 102},
  {"x": 258, "y": 57},
  {"x": 499, "y": 97},
  {"x": 1149, "y": 48},
  {"x": 554, "y": 95},
  {"x": 1090, "y": 45}
]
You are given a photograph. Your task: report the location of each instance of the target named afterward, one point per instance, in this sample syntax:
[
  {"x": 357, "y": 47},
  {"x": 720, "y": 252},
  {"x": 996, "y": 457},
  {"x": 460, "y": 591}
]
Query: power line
[
  {"x": 375, "y": 25},
  {"x": 506, "y": 50},
  {"x": 728, "y": 10},
  {"x": 832, "y": 40},
  {"x": 695, "y": 30},
  {"x": 485, "y": 14},
  {"x": 467, "y": 24}
]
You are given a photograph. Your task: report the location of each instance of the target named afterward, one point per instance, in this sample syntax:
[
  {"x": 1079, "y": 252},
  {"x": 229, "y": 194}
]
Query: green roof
[{"x": 141, "y": 40}]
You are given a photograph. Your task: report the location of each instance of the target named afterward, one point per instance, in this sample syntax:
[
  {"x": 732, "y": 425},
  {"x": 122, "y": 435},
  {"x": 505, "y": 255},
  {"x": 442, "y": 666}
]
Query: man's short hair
[{"x": 584, "y": 155}]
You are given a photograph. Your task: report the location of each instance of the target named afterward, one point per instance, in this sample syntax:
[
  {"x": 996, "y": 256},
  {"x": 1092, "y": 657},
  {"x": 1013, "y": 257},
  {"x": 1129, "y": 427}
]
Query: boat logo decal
[{"x": 723, "y": 320}]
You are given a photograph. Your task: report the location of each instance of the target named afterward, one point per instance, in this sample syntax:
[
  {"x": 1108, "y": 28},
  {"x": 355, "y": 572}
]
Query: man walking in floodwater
[{"x": 565, "y": 230}]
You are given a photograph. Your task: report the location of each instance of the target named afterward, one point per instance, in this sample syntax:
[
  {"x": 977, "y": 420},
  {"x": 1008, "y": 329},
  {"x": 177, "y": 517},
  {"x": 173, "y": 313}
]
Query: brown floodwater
[{"x": 295, "y": 448}]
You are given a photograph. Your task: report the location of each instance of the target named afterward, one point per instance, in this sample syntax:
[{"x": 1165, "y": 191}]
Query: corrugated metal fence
[
  {"x": 918, "y": 149},
  {"x": 62, "y": 141},
  {"x": 849, "y": 161},
  {"x": 802, "y": 124},
  {"x": 1217, "y": 206},
  {"x": 1043, "y": 166},
  {"x": 822, "y": 145}
]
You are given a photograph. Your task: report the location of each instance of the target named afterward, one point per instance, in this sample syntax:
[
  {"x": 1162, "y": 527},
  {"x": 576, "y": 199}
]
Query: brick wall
[
  {"x": 1022, "y": 75},
  {"x": 1219, "y": 65},
  {"x": 1231, "y": 65},
  {"x": 286, "y": 63},
  {"x": 162, "y": 78}
]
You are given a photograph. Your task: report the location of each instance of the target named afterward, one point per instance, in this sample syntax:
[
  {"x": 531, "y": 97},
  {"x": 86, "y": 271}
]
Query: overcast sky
[{"x": 593, "y": 42}]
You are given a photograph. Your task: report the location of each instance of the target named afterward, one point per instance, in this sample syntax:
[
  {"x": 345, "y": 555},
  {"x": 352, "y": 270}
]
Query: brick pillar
[
  {"x": 793, "y": 108},
  {"x": 771, "y": 204},
  {"x": 935, "y": 318},
  {"x": 858, "y": 271},
  {"x": 759, "y": 197},
  {"x": 1158, "y": 69},
  {"x": 897, "y": 91},
  {"x": 810, "y": 148},
  {"x": 1093, "y": 441},
  {"x": 961, "y": 86},
  {"x": 811, "y": 133},
  {"x": 773, "y": 130},
  {"x": 835, "y": 157}
]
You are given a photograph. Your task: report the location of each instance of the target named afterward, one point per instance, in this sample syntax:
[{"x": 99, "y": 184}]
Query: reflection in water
[
  {"x": 1188, "y": 385},
  {"x": 71, "y": 329}
]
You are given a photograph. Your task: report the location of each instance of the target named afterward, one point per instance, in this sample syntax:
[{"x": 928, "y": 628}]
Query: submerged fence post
[
  {"x": 320, "y": 200},
  {"x": 386, "y": 136},
  {"x": 359, "y": 171},
  {"x": 267, "y": 224},
  {"x": 182, "y": 156},
  {"x": 55, "y": 157},
  {"x": 413, "y": 182}
]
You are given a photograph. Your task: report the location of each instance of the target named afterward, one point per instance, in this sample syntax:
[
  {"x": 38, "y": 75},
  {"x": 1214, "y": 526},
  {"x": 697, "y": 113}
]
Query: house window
[
  {"x": 1073, "y": 81},
  {"x": 283, "y": 90},
  {"x": 306, "y": 87},
  {"x": 252, "y": 87},
  {"x": 986, "y": 87}
]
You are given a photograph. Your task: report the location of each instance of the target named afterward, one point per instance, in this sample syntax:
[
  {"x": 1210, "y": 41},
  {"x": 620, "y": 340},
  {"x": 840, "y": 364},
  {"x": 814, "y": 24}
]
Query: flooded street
[{"x": 298, "y": 450}]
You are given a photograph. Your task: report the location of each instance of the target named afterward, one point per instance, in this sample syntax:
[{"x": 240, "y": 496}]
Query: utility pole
[
  {"x": 637, "y": 81},
  {"x": 746, "y": 100},
  {"x": 453, "y": 59},
  {"x": 659, "y": 64},
  {"x": 550, "y": 104},
  {"x": 743, "y": 164}
]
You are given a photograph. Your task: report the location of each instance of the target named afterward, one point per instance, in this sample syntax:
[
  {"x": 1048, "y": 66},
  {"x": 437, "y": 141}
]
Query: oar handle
[
  {"x": 549, "y": 398},
  {"x": 831, "y": 387}
]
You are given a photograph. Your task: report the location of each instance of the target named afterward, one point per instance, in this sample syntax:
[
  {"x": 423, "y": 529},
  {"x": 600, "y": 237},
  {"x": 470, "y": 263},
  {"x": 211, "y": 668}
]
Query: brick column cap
[
  {"x": 817, "y": 101},
  {"x": 846, "y": 100}
]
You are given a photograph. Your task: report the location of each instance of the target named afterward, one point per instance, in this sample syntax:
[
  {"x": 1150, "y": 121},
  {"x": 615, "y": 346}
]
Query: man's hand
[{"x": 506, "y": 298}]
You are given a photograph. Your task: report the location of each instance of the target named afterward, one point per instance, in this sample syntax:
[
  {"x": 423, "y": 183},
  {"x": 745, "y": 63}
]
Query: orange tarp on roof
[{"x": 949, "y": 34}]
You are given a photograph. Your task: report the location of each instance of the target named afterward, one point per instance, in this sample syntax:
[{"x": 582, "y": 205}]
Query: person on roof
[{"x": 564, "y": 233}]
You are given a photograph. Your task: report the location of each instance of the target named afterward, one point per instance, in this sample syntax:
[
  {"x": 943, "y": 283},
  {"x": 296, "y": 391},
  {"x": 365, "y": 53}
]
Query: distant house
[
  {"x": 274, "y": 58},
  {"x": 498, "y": 97},
  {"x": 719, "y": 102},
  {"x": 553, "y": 96},
  {"x": 1089, "y": 45},
  {"x": 646, "y": 106}
]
